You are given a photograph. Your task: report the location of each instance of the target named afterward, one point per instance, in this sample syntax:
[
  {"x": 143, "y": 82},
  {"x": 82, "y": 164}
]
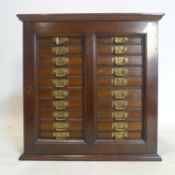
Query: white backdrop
[{"x": 11, "y": 53}]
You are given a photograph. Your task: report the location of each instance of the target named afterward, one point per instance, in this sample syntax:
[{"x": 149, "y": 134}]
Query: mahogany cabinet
[{"x": 90, "y": 86}]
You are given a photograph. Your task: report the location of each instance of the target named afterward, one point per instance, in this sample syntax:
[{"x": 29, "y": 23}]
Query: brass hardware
[
  {"x": 60, "y": 94},
  {"x": 59, "y": 115},
  {"x": 119, "y": 115},
  {"x": 119, "y": 93},
  {"x": 60, "y": 126},
  {"x": 119, "y": 39},
  {"x": 61, "y": 72},
  {"x": 119, "y": 81},
  {"x": 60, "y": 83},
  {"x": 119, "y": 49},
  {"x": 119, "y": 135},
  {"x": 61, "y": 135},
  {"x": 60, "y": 50},
  {"x": 59, "y": 61},
  {"x": 120, "y": 71},
  {"x": 119, "y": 105},
  {"x": 60, "y": 40},
  {"x": 119, "y": 60},
  {"x": 119, "y": 126},
  {"x": 60, "y": 105}
]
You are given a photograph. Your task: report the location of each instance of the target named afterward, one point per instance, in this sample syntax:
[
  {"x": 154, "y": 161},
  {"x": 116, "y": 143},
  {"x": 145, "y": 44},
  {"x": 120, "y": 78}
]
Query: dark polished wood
[{"x": 90, "y": 86}]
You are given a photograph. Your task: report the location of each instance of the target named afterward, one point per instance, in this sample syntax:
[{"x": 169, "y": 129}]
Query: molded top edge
[{"x": 90, "y": 17}]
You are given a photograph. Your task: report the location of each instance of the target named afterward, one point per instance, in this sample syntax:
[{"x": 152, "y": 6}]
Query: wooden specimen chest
[{"x": 90, "y": 86}]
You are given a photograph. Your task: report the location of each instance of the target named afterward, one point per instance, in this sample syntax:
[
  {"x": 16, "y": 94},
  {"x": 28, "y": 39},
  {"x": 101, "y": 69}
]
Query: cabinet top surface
[{"x": 90, "y": 17}]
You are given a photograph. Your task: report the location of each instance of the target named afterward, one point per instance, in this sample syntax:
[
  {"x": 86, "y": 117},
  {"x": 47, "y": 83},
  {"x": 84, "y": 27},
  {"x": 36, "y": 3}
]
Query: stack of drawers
[
  {"x": 119, "y": 87},
  {"x": 60, "y": 87}
]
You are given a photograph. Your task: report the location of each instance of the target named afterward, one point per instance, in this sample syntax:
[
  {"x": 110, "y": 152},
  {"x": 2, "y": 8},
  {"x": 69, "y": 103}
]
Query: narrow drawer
[
  {"x": 119, "y": 115},
  {"x": 119, "y": 93},
  {"x": 119, "y": 49},
  {"x": 119, "y": 135},
  {"x": 120, "y": 104},
  {"x": 119, "y": 82},
  {"x": 119, "y": 72},
  {"x": 108, "y": 60},
  {"x": 60, "y": 94},
  {"x": 61, "y": 135},
  {"x": 119, "y": 126},
  {"x": 61, "y": 126},
  {"x": 61, "y": 82}
]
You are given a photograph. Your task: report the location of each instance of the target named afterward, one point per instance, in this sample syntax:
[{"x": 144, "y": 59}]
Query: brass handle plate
[
  {"x": 119, "y": 60},
  {"x": 60, "y": 61},
  {"x": 60, "y": 94},
  {"x": 119, "y": 49},
  {"x": 61, "y": 135},
  {"x": 60, "y": 126},
  {"x": 60, "y": 115},
  {"x": 61, "y": 72},
  {"x": 59, "y": 83},
  {"x": 119, "y": 39},
  {"x": 120, "y": 126},
  {"x": 119, "y": 135},
  {"x": 119, "y": 115},
  {"x": 60, "y": 105},
  {"x": 120, "y": 105},
  {"x": 119, "y": 94},
  {"x": 119, "y": 71},
  {"x": 119, "y": 81},
  {"x": 60, "y": 40},
  {"x": 60, "y": 50}
]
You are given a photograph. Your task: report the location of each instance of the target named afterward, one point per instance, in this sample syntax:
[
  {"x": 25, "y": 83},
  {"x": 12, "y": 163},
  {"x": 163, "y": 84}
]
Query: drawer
[
  {"x": 60, "y": 93},
  {"x": 55, "y": 40},
  {"x": 60, "y": 104},
  {"x": 119, "y": 72},
  {"x": 119, "y": 115},
  {"x": 59, "y": 50},
  {"x": 59, "y": 72},
  {"x": 119, "y": 40},
  {"x": 61, "y": 135},
  {"x": 61, "y": 126},
  {"x": 108, "y": 60},
  {"x": 61, "y": 83},
  {"x": 119, "y": 82},
  {"x": 119, "y": 93},
  {"x": 60, "y": 115},
  {"x": 119, "y": 49},
  {"x": 61, "y": 60},
  {"x": 120, "y": 104},
  {"x": 119, "y": 126},
  {"x": 119, "y": 135}
]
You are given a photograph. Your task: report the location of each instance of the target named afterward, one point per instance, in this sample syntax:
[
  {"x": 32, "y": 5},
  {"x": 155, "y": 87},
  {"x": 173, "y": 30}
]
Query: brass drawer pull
[
  {"x": 60, "y": 83},
  {"x": 119, "y": 71},
  {"x": 120, "y": 105},
  {"x": 60, "y": 105},
  {"x": 119, "y": 135},
  {"x": 59, "y": 115},
  {"x": 60, "y": 94},
  {"x": 119, "y": 94},
  {"x": 119, "y": 60},
  {"x": 119, "y": 39},
  {"x": 119, "y": 126},
  {"x": 60, "y": 126},
  {"x": 119, "y": 81},
  {"x": 119, "y": 115},
  {"x": 60, "y": 40},
  {"x": 61, "y": 72},
  {"x": 60, "y": 50},
  {"x": 60, "y": 61},
  {"x": 119, "y": 49},
  {"x": 61, "y": 135}
]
